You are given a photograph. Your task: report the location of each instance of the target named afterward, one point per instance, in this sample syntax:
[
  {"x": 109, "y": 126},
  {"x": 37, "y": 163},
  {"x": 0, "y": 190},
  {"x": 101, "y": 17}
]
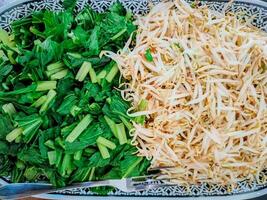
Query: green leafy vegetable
[{"x": 61, "y": 118}]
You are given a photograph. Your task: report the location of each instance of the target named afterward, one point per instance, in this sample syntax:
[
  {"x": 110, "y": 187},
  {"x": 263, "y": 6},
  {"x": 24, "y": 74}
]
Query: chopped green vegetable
[
  {"x": 50, "y": 96},
  {"x": 59, "y": 75},
  {"x": 111, "y": 125},
  {"x": 120, "y": 129},
  {"x": 46, "y": 85},
  {"x": 50, "y": 144},
  {"x": 83, "y": 71},
  {"x": 126, "y": 123},
  {"x": 112, "y": 73},
  {"x": 83, "y": 124},
  {"x": 39, "y": 102},
  {"x": 14, "y": 134},
  {"x": 103, "y": 151},
  {"x": 106, "y": 143},
  {"x": 55, "y": 66},
  {"x": 78, "y": 155},
  {"x": 62, "y": 120},
  {"x": 101, "y": 75},
  {"x": 92, "y": 74},
  {"x": 9, "y": 109},
  {"x": 52, "y": 157},
  {"x": 142, "y": 106},
  {"x": 148, "y": 55}
]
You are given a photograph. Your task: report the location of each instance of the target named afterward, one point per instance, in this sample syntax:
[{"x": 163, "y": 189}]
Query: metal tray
[{"x": 13, "y": 10}]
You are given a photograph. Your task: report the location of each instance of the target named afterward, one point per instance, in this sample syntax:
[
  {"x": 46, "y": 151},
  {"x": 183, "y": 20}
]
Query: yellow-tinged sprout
[{"x": 205, "y": 93}]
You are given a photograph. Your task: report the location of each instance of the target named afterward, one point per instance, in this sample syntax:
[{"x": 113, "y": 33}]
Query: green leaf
[
  {"x": 48, "y": 51},
  {"x": 68, "y": 102},
  {"x": 128, "y": 165},
  {"x": 69, "y": 4},
  {"x": 5, "y": 126},
  {"x": 31, "y": 156}
]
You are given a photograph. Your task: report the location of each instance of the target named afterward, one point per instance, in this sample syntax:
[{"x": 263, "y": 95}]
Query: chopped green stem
[
  {"x": 75, "y": 110},
  {"x": 92, "y": 174},
  {"x": 108, "y": 100},
  {"x": 14, "y": 134},
  {"x": 30, "y": 173},
  {"x": 59, "y": 155},
  {"x": 83, "y": 124},
  {"x": 119, "y": 34},
  {"x": 132, "y": 166},
  {"x": 92, "y": 74},
  {"x": 32, "y": 127},
  {"x": 142, "y": 106},
  {"x": 120, "y": 129},
  {"x": 59, "y": 75},
  {"x": 39, "y": 101},
  {"x": 75, "y": 55},
  {"x": 50, "y": 144},
  {"x": 112, "y": 73},
  {"x": 39, "y": 86},
  {"x": 66, "y": 164},
  {"x": 54, "y": 66},
  {"x": 127, "y": 123},
  {"x": 5, "y": 38},
  {"x": 18, "y": 139},
  {"x": 101, "y": 75},
  {"x": 52, "y": 157},
  {"x": 36, "y": 32},
  {"x": 10, "y": 57},
  {"x": 103, "y": 151},
  {"x": 83, "y": 71},
  {"x": 46, "y": 85},
  {"x": 78, "y": 155},
  {"x": 30, "y": 88},
  {"x": 60, "y": 142},
  {"x": 50, "y": 73},
  {"x": 112, "y": 125},
  {"x": 20, "y": 164},
  {"x": 50, "y": 96},
  {"x": 4, "y": 85},
  {"x": 107, "y": 143},
  {"x": 9, "y": 109}
]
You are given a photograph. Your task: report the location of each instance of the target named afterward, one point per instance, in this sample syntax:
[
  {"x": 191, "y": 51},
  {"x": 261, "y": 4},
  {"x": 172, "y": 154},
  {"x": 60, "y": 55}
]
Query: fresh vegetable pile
[{"x": 61, "y": 118}]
